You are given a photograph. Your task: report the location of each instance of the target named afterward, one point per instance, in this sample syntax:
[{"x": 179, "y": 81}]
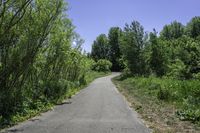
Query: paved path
[{"x": 99, "y": 108}]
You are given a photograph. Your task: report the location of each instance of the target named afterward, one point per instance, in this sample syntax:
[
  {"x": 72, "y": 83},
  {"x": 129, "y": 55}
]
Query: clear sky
[{"x": 93, "y": 17}]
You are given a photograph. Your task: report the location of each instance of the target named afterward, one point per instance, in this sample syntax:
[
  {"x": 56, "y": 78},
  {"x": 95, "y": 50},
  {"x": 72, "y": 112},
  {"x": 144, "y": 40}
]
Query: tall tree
[
  {"x": 172, "y": 31},
  {"x": 100, "y": 48},
  {"x": 132, "y": 44},
  {"x": 114, "y": 48},
  {"x": 193, "y": 27},
  {"x": 157, "y": 60}
]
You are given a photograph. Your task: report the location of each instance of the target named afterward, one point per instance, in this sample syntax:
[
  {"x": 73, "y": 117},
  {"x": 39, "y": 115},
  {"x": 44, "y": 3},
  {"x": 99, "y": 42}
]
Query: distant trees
[
  {"x": 193, "y": 27},
  {"x": 114, "y": 52},
  {"x": 175, "y": 52},
  {"x": 108, "y": 48},
  {"x": 132, "y": 45},
  {"x": 157, "y": 56},
  {"x": 172, "y": 31},
  {"x": 102, "y": 65},
  {"x": 100, "y": 48}
]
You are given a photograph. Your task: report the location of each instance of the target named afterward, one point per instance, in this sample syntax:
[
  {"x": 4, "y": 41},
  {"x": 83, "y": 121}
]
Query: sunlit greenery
[
  {"x": 172, "y": 57},
  {"x": 41, "y": 60}
]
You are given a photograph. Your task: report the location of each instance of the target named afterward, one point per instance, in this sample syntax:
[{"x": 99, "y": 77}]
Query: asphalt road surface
[{"x": 99, "y": 108}]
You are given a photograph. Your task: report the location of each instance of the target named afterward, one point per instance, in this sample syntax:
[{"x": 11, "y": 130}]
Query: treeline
[
  {"x": 38, "y": 63},
  {"x": 174, "y": 52},
  {"x": 107, "y": 48}
]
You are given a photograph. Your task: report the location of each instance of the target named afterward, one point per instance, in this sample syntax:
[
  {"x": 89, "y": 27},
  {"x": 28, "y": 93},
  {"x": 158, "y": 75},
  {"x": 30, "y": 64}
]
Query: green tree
[
  {"x": 157, "y": 57},
  {"x": 172, "y": 31},
  {"x": 132, "y": 45},
  {"x": 193, "y": 27},
  {"x": 114, "y": 48},
  {"x": 100, "y": 48},
  {"x": 188, "y": 51}
]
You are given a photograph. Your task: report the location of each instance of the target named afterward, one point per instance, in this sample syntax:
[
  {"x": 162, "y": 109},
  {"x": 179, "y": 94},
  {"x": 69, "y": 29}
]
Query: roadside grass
[
  {"x": 41, "y": 106},
  {"x": 167, "y": 105},
  {"x": 93, "y": 75}
]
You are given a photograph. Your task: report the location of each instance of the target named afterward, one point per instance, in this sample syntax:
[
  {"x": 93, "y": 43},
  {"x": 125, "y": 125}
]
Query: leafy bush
[
  {"x": 163, "y": 94},
  {"x": 197, "y": 76},
  {"x": 154, "y": 86},
  {"x": 54, "y": 90},
  {"x": 177, "y": 70},
  {"x": 125, "y": 74},
  {"x": 82, "y": 80},
  {"x": 189, "y": 115},
  {"x": 102, "y": 65}
]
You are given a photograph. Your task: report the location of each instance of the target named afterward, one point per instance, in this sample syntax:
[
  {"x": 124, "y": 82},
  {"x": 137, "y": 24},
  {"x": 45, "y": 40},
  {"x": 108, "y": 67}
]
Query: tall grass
[{"x": 185, "y": 94}]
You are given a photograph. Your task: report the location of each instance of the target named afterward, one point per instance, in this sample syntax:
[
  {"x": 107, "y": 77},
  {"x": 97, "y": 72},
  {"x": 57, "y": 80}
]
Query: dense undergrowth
[
  {"x": 31, "y": 109},
  {"x": 184, "y": 94}
]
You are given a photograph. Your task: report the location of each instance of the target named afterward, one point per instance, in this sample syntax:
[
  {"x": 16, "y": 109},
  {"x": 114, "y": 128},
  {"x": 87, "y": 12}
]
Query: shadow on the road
[
  {"x": 66, "y": 102},
  {"x": 33, "y": 120},
  {"x": 15, "y": 130}
]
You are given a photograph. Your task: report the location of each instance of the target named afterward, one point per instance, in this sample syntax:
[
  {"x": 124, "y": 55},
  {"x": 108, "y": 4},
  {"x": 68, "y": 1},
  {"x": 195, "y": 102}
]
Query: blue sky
[{"x": 93, "y": 17}]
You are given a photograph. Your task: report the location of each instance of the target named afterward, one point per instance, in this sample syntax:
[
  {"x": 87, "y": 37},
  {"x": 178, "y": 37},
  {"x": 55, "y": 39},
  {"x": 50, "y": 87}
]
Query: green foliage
[
  {"x": 189, "y": 115},
  {"x": 172, "y": 31},
  {"x": 102, "y": 65},
  {"x": 184, "y": 94},
  {"x": 91, "y": 75},
  {"x": 20, "y": 44},
  {"x": 41, "y": 59},
  {"x": 193, "y": 27},
  {"x": 184, "y": 52},
  {"x": 175, "y": 53},
  {"x": 132, "y": 45},
  {"x": 39, "y": 63},
  {"x": 109, "y": 48},
  {"x": 100, "y": 48},
  {"x": 126, "y": 73},
  {"x": 163, "y": 94},
  {"x": 114, "y": 36},
  {"x": 197, "y": 76},
  {"x": 174, "y": 56},
  {"x": 177, "y": 70},
  {"x": 157, "y": 57}
]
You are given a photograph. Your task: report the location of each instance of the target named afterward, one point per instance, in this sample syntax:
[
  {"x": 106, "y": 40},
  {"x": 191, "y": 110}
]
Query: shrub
[
  {"x": 82, "y": 80},
  {"x": 163, "y": 94},
  {"x": 197, "y": 76},
  {"x": 54, "y": 90},
  {"x": 154, "y": 86},
  {"x": 177, "y": 70},
  {"x": 125, "y": 74},
  {"x": 102, "y": 65},
  {"x": 189, "y": 115}
]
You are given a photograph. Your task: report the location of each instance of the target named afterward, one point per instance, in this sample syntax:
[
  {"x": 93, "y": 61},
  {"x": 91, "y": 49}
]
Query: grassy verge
[
  {"x": 93, "y": 75},
  {"x": 167, "y": 105},
  {"x": 41, "y": 106}
]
